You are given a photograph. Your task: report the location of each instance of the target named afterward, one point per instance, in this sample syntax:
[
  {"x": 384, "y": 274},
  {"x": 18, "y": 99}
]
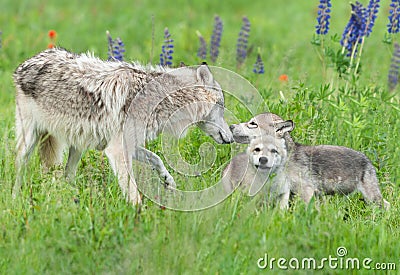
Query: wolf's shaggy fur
[{"x": 79, "y": 101}]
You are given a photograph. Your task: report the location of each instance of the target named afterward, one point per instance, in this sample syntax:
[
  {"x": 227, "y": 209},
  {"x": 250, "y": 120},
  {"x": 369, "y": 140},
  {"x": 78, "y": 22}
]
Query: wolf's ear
[
  {"x": 182, "y": 64},
  {"x": 284, "y": 127},
  {"x": 204, "y": 75}
]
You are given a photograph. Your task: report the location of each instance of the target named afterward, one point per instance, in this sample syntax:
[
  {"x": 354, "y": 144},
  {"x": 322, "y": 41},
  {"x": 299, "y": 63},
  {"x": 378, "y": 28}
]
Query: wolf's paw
[
  {"x": 386, "y": 205},
  {"x": 168, "y": 180}
]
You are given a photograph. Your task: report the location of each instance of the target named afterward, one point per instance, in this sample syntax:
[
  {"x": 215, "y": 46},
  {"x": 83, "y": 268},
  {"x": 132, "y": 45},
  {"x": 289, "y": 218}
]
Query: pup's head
[
  {"x": 267, "y": 153},
  {"x": 260, "y": 125}
]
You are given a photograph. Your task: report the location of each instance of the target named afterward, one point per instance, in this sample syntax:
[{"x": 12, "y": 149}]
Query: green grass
[{"x": 86, "y": 226}]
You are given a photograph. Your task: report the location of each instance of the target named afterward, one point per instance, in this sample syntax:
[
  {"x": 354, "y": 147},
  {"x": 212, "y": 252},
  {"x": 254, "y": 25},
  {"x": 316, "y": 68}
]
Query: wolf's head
[
  {"x": 206, "y": 104},
  {"x": 267, "y": 153},
  {"x": 261, "y": 125}
]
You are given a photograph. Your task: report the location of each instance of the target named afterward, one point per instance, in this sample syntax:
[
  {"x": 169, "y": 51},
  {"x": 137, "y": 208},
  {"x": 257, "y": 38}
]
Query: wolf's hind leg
[
  {"x": 369, "y": 188},
  {"x": 27, "y": 138},
  {"x": 307, "y": 193},
  {"x": 50, "y": 150},
  {"x": 74, "y": 156}
]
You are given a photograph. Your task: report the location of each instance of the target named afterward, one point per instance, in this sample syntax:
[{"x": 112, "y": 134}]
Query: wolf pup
[
  {"x": 323, "y": 169},
  {"x": 251, "y": 170},
  {"x": 260, "y": 125},
  {"x": 81, "y": 102}
]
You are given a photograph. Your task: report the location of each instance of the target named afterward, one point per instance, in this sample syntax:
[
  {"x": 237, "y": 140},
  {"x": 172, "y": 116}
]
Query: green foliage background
[{"x": 46, "y": 231}]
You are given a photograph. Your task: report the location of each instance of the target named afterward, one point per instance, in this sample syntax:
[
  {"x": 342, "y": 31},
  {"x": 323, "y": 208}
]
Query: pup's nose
[{"x": 263, "y": 160}]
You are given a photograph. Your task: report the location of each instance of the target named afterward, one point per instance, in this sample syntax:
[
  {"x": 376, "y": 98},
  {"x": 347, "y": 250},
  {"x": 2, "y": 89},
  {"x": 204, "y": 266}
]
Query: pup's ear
[
  {"x": 182, "y": 64},
  {"x": 284, "y": 127},
  {"x": 204, "y": 75}
]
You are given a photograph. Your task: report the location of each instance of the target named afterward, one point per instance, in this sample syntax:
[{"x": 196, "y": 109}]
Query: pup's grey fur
[
  {"x": 309, "y": 170},
  {"x": 323, "y": 169},
  {"x": 79, "y": 101},
  {"x": 251, "y": 170},
  {"x": 259, "y": 126}
]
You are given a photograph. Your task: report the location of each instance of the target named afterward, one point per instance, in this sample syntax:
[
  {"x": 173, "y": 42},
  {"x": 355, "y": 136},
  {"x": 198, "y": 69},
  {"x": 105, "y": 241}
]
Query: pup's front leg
[
  {"x": 281, "y": 189},
  {"x": 144, "y": 155},
  {"x": 283, "y": 200}
]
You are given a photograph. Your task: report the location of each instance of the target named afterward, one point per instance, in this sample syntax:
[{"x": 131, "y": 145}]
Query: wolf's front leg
[
  {"x": 120, "y": 163},
  {"x": 283, "y": 200},
  {"x": 144, "y": 155},
  {"x": 281, "y": 189}
]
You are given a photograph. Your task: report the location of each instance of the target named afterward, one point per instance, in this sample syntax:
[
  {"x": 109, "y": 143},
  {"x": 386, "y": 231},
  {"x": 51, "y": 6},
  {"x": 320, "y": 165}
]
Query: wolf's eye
[
  {"x": 274, "y": 151},
  {"x": 252, "y": 124},
  {"x": 257, "y": 149}
]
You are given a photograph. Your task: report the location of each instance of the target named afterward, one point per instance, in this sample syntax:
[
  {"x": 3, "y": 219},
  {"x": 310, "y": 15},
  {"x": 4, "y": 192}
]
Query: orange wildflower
[
  {"x": 50, "y": 45},
  {"x": 283, "y": 78},
  {"x": 52, "y": 34}
]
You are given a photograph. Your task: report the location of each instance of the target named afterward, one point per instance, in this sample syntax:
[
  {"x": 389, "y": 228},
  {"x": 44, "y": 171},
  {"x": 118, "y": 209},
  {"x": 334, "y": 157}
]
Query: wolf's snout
[
  {"x": 263, "y": 160},
  {"x": 226, "y": 138}
]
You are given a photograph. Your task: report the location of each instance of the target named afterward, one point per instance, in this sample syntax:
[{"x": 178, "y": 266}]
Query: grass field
[{"x": 85, "y": 227}]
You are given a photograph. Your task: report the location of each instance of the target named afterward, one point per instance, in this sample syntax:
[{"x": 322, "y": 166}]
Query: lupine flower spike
[
  {"x": 393, "y": 76},
  {"x": 323, "y": 18},
  {"x": 202, "y": 51},
  {"x": 394, "y": 17},
  {"x": 52, "y": 36},
  {"x": 258, "y": 67},
  {"x": 116, "y": 48},
  {"x": 355, "y": 28},
  {"x": 167, "y": 49},
  {"x": 119, "y": 49},
  {"x": 370, "y": 15},
  {"x": 242, "y": 41},
  {"x": 216, "y": 38}
]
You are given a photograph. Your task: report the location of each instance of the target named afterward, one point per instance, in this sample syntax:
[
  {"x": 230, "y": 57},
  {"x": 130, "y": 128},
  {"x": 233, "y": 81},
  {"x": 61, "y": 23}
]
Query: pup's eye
[
  {"x": 252, "y": 124},
  {"x": 257, "y": 149},
  {"x": 274, "y": 151}
]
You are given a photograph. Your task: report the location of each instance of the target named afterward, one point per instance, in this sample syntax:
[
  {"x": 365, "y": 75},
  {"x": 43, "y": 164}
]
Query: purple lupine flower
[
  {"x": 242, "y": 41},
  {"x": 167, "y": 49},
  {"x": 119, "y": 49},
  {"x": 202, "y": 51},
  {"x": 371, "y": 13},
  {"x": 116, "y": 48},
  {"x": 393, "y": 76},
  {"x": 258, "y": 67},
  {"x": 323, "y": 18},
  {"x": 216, "y": 38},
  {"x": 355, "y": 28},
  {"x": 394, "y": 17}
]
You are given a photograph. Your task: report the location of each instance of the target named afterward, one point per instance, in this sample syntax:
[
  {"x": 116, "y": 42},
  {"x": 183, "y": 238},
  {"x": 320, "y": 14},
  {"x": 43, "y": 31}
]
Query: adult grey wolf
[
  {"x": 81, "y": 102},
  {"x": 251, "y": 170},
  {"x": 322, "y": 169}
]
